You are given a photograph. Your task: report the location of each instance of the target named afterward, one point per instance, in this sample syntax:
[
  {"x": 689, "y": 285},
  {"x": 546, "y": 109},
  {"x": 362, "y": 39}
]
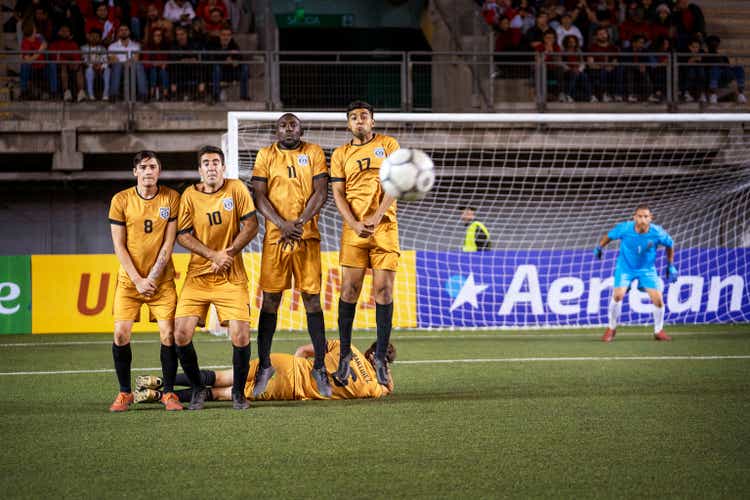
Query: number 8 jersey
[
  {"x": 214, "y": 219},
  {"x": 145, "y": 222}
]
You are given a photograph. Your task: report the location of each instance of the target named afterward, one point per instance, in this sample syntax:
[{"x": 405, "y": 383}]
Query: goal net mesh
[{"x": 546, "y": 192}]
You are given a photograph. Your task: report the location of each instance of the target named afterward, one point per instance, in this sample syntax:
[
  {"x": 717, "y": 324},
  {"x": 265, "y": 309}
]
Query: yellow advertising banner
[{"x": 75, "y": 294}]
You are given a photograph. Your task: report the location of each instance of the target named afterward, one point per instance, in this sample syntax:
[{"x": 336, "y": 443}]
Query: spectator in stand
[
  {"x": 692, "y": 73},
  {"x": 42, "y": 23},
  {"x": 206, "y": 6},
  {"x": 184, "y": 78},
  {"x": 661, "y": 24},
  {"x": 604, "y": 20},
  {"x": 215, "y": 24},
  {"x": 120, "y": 51},
  {"x": 549, "y": 51},
  {"x": 139, "y": 16},
  {"x": 663, "y": 46},
  {"x": 155, "y": 21},
  {"x": 689, "y": 24},
  {"x": 231, "y": 67},
  {"x": 96, "y": 60},
  {"x": 179, "y": 12},
  {"x": 507, "y": 39},
  {"x": 491, "y": 13},
  {"x": 33, "y": 71},
  {"x": 637, "y": 74},
  {"x": 105, "y": 23},
  {"x": 156, "y": 66},
  {"x": 535, "y": 36},
  {"x": 523, "y": 21},
  {"x": 198, "y": 32},
  {"x": 649, "y": 10},
  {"x": 604, "y": 71},
  {"x": 576, "y": 82},
  {"x": 722, "y": 73},
  {"x": 634, "y": 25},
  {"x": 567, "y": 28},
  {"x": 67, "y": 13},
  {"x": 68, "y": 62}
]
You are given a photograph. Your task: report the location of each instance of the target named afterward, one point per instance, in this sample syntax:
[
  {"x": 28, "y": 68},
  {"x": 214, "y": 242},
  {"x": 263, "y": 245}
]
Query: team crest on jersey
[
  {"x": 379, "y": 153},
  {"x": 164, "y": 213},
  {"x": 228, "y": 203},
  {"x": 302, "y": 160}
]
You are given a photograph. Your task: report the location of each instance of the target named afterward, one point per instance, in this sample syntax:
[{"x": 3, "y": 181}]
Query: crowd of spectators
[
  {"x": 79, "y": 49},
  {"x": 612, "y": 50}
]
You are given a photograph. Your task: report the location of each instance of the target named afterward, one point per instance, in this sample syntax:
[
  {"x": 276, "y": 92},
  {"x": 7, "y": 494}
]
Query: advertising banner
[
  {"x": 15, "y": 294},
  {"x": 548, "y": 288}
]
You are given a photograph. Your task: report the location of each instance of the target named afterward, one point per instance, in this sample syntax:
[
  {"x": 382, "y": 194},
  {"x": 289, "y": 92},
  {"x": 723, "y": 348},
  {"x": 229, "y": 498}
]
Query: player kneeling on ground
[
  {"x": 637, "y": 261},
  {"x": 292, "y": 379}
]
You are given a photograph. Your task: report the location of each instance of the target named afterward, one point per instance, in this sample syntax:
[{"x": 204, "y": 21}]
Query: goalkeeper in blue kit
[{"x": 636, "y": 260}]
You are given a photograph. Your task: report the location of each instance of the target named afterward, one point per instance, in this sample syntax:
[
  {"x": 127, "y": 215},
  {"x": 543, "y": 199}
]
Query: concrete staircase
[{"x": 730, "y": 19}]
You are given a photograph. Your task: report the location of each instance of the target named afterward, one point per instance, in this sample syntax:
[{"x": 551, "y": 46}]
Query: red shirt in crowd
[
  {"x": 595, "y": 47},
  {"x": 67, "y": 45},
  {"x": 33, "y": 44},
  {"x": 204, "y": 10}
]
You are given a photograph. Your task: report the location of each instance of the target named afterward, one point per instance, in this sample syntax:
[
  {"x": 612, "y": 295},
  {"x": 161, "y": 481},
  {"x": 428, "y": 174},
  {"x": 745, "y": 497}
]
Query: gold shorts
[
  {"x": 277, "y": 267},
  {"x": 231, "y": 300},
  {"x": 128, "y": 302},
  {"x": 379, "y": 251}
]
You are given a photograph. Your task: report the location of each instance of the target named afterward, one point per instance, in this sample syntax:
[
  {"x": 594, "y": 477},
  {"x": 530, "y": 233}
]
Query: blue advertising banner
[{"x": 570, "y": 287}]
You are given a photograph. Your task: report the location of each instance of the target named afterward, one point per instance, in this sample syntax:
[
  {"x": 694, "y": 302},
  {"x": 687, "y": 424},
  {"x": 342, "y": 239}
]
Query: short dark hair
[
  {"x": 146, "y": 154},
  {"x": 637, "y": 37},
  {"x": 359, "y": 105},
  {"x": 95, "y": 30},
  {"x": 468, "y": 207},
  {"x": 642, "y": 206},
  {"x": 210, "y": 149},
  {"x": 390, "y": 353}
]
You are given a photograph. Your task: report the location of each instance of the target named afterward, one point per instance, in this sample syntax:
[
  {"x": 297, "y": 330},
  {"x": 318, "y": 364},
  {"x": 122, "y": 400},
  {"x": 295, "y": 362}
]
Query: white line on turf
[{"x": 438, "y": 361}]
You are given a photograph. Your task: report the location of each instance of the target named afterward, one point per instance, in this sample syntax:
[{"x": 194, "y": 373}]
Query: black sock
[
  {"x": 122, "y": 356},
  {"x": 168, "y": 355},
  {"x": 189, "y": 361},
  {"x": 185, "y": 395},
  {"x": 317, "y": 330},
  {"x": 266, "y": 329},
  {"x": 241, "y": 367},
  {"x": 346, "y": 320},
  {"x": 208, "y": 378},
  {"x": 384, "y": 321}
]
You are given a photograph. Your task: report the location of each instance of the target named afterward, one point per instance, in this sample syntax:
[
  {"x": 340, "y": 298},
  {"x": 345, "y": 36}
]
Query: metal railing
[{"x": 395, "y": 81}]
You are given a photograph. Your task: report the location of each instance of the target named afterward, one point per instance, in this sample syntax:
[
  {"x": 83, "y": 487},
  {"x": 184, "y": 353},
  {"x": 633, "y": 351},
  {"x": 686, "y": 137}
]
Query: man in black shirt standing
[{"x": 230, "y": 67}]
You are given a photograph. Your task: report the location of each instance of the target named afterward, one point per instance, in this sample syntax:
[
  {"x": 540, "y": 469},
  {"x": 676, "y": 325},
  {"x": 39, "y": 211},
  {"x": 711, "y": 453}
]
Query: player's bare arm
[
  {"x": 220, "y": 258},
  {"x": 305, "y": 351},
  {"x": 165, "y": 252},
  {"x": 248, "y": 231},
  {"x": 339, "y": 196},
  {"x": 144, "y": 286},
  {"x": 316, "y": 201},
  {"x": 290, "y": 232}
]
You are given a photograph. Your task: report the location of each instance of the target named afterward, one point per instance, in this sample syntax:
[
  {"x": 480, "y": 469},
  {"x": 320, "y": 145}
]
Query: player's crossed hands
[
  {"x": 222, "y": 260},
  {"x": 145, "y": 286}
]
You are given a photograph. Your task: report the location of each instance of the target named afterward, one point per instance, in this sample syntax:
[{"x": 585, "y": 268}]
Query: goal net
[{"x": 547, "y": 187}]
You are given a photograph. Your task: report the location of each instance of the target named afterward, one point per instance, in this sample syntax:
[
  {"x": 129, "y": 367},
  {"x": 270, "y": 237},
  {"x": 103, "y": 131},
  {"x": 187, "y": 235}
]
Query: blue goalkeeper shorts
[{"x": 647, "y": 278}]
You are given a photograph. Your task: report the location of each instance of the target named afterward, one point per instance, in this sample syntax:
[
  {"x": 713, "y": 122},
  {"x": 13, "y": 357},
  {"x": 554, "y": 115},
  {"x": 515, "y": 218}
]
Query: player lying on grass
[
  {"x": 636, "y": 260},
  {"x": 292, "y": 378}
]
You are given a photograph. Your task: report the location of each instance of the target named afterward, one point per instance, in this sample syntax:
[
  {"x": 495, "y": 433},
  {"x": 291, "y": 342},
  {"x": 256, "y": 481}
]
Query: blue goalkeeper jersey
[{"x": 638, "y": 250}]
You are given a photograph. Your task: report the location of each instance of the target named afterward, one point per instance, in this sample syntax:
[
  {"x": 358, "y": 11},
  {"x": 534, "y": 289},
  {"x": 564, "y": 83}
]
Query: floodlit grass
[{"x": 502, "y": 425}]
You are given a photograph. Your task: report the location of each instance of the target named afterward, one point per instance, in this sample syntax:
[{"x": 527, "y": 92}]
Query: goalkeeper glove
[
  {"x": 598, "y": 252},
  {"x": 672, "y": 273}
]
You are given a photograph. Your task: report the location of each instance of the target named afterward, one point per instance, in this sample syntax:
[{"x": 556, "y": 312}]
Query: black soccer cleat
[
  {"x": 321, "y": 379},
  {"x": 381, "y": 371},
  {"x": 262, "y": 377},
  {"x": 198, "y": 398},
  {"x": 239, "y": 401},
  {"x": 344, "y": 371}
]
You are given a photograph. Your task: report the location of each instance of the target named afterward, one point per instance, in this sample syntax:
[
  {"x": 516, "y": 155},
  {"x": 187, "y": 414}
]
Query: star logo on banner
[{"x": 468, "y": 293}]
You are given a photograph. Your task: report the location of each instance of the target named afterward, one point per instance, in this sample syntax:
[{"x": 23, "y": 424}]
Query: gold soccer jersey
[
  {"x": 215, "y": 221},
  {"x": 290, "y": 175},
  {"x": 146, "y": 223}
]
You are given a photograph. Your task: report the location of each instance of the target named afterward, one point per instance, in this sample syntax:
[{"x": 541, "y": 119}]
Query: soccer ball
[{"x": 407, "y": 174}]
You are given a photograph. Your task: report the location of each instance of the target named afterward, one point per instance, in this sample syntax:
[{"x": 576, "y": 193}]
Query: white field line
[
  {"x": 438, "y": 361},
  {"x": 445, "y": 336}
]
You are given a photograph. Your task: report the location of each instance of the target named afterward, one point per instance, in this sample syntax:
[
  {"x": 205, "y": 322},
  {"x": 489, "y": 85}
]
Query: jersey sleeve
[
  {"x": 117, "y": 210},
  {"x": 337, "y": 167},
  {"x": 616, "y": 232},
  {"x": 260, "y": 168},
  {"x": 665, "y": 239},
  {"x": 185, "y": 215},
  {"x": 174, "y": 206},
  {"x": 391, "y": 145},
  {"x": 245, "y": 205},
  {"x": 320, "y": 169}
]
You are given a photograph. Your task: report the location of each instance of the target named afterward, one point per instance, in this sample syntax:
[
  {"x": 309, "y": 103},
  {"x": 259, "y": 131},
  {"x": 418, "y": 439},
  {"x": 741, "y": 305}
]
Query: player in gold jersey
[
  {"x": 369, "y": 238},
  {"x": 143, "y": 221},
  {"x": 290, "y": 184},
  {"x": 216, "y": 221},
  {"x": 292, "y": 378}
]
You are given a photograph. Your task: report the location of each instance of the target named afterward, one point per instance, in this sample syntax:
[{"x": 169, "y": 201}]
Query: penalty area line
[{"x": 434, "y": 361}]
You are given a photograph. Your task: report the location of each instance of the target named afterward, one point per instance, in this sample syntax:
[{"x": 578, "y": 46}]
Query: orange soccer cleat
[
  {"x": 171, "y": 402},
  {"x": 122, "y": 402},
  {"x": 609, "y": 335},
  {"x": 661, "y": 336}
]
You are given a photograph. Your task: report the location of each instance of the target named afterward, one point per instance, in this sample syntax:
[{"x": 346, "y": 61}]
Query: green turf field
[{"x": 475, "y": 414}]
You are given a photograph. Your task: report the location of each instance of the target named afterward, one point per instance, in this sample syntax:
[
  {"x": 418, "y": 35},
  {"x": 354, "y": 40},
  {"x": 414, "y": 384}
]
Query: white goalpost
[{"x": 547, "y": 186}]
